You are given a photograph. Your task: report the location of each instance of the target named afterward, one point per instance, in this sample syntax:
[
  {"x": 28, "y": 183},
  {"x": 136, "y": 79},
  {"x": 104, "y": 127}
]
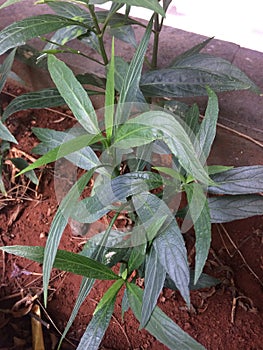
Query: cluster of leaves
[{"x": 131, "y": 134}]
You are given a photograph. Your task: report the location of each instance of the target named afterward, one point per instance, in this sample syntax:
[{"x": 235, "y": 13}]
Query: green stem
[
  {"x": 99, "y": 34},
  {"x": 66, "y": 49}
]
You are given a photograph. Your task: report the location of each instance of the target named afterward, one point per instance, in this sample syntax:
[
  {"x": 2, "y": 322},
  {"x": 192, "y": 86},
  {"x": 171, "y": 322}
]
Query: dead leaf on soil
[{"x": 15, "y": 215}]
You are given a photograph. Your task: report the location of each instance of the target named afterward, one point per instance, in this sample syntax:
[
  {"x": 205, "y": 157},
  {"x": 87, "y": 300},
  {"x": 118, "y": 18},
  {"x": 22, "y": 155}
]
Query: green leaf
[
  {"x": 148, "y": 4},
  {"x": 92, "y": 79},
  {"x": 200, "y": 215},
  {"x": 95, "y": 331},
  {"x": 121, "y": 69},
  {"x": 38, "y": 99},
  {"x": 110, "y": 95},
  {"x": 160, "y": 325},
  {"x": 204, "y": 281},
  {"x": 65, "y": 261},
  {"x": 74, "y": 94},
  {"x": 115, "y": 19},
  {"x": 19, "y": 32},
  {"x": 61, "y": 151},
  {"x": 85, "y": 158},
  {"x": 109, "y": 295},
  {"x": 91, "y": 39},
  {"x": 130, "y": 86},
  {"x": 192, "y": 119},
  {"x": 8, "y": 3},
  {"x": 2, "y": 185},
  {"x": 153, "y": 284},
  {"x": 169, "y": 244},
  {"x": 158, "y": 125},
  {"x": 116, "y": 190},
  {"x": 5, "y": 134},
  {"x": 124, "y": 303},
  {"x": 207, "y": 130},
  {"x": 5, "y": 68},
  {"x": 87, "y": 283},
  {"x": 85, "y": 288},
  {"x": 240, "y": 180},
  {"x": 171, "y": 172},
  {"x": 191, "y": 76},
  {"x": 215, "y": 169},
  {"x": 137, "y": 257},
  {"x": 63, "y": 36},
  {"x": 230, "y": 208},
  {"x": 70, "y": 10},
  {"x": 58, "y": 225},
  {"x": 192, "y": 51},
  {"x": 166, "y": 4},
  {"x": 125, "y": 34},
  {"x": 21, "y": 164}
]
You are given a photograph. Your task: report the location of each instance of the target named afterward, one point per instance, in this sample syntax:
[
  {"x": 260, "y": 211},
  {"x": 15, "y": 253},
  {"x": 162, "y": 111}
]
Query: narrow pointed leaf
[
  {"x": 70, "y": 10},
  {"x": 166, "y": 4},
  {"x": 63, "y": 36},
  {"x": 158, "y": 125},
  {"x": 5, "y": 134},
  {"x": 230, "y": 208},
  {"x": 20, "y": 32},
  {"x": 58, "y": 225},
  {"x": 124, "y": 303},
  {"x": 21, "y": 163},
  {"x": 85, "y": 158},
  {"x": 204, "y": 281},
  {"x": 131, "y": 81},
  {"x": 38, "y": 99},
  {"x": 118, "y": 189},
  {"x": 87, "y": 283},
  {"x": 240, "y": 180},
  {"x": 74, "y": 94},
  {"x": 110, "y": 95},
  {"x": 9, "y": 3},
  {"x": 194, "y": 50},
  {"x": 92, "y": 79},
  {"x": 137, "y": 257},
  {"x": 121, "y": 69},
  {"x": 115, "y": 19},
  {"x": 199, "y": 212},
  {"x": 5, "y": 68},
  {"x": 125, "y": 34},
  {"x": 191, "y": 76},
  {"x": 148, "y": 4},
  {"x": 65, "y": 261},
  {"x": 2, "y": 185},
  {"x": 216, "y": 169},
  {"x": 96, "y": 329},
  {"x": 207, "y": 130},
  {"x": 169, "y": 244},
  {"x": 110, "y": 294},
  {"x": 160, "y": 325},
  {"x": 63, "y": 150},
  {"x": 154, "y": 278}
]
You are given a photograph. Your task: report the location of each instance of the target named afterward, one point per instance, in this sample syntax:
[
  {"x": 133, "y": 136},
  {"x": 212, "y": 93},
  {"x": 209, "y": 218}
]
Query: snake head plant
[{"x": 142, "y": 158}]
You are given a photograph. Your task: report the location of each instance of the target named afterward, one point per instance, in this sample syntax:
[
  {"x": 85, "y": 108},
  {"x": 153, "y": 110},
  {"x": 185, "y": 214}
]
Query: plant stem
[
  {"x": 156, "y": 41},
  {"x": 99, "y": 34}
]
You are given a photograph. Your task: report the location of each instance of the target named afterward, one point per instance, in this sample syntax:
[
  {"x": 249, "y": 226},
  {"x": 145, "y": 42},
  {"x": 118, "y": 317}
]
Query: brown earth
[{"x": 228, "y": 316}]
